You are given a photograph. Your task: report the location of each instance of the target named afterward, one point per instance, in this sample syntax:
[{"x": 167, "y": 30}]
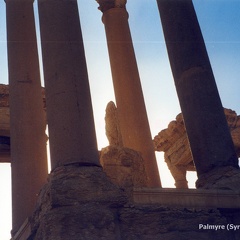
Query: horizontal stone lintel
[{"x": 198, "y": 198}]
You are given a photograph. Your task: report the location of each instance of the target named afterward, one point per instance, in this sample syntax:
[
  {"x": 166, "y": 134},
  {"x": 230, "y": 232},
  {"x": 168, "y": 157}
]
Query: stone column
[
  {"x": 204, "y": 118},
  {"x": 27, "y": 119},
  {"x": 69, "y": 109},
  {"x": 132, "y": 114}
]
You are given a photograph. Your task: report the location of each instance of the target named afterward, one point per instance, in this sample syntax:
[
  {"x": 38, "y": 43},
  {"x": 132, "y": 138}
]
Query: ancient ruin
[
  {"x": 132, "y": 115},
  {"x": 173, "y": 141},
  {"x": 112, "y": 127},
  {"x": 116, "y": 194},
  {"x": 4, "y": 124},
  {"x": 124, "y": 166}
]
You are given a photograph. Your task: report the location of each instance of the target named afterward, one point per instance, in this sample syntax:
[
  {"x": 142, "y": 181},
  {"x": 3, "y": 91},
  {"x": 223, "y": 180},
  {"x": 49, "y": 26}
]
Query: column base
[
  {"x": 226, "y": 178},
  {"x": 77, "y": 201}
]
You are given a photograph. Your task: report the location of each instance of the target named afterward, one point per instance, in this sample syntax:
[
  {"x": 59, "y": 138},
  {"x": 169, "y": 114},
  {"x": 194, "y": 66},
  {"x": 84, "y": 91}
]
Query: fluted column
[
  {"x": 69, "y": 109},
  {"x": 27, "y": 121},
  {"x": 132, "y": 113},
  {"x": 205, "y": 122}
]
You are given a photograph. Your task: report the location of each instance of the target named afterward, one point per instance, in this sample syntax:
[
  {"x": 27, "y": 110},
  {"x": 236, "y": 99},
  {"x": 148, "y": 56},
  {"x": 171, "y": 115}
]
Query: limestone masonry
[{"x": 173, "y": 141}]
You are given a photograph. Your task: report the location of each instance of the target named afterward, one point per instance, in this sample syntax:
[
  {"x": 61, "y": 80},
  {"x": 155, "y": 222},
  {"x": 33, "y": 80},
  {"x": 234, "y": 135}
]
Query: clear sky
[{"x": 219, "y": 21}]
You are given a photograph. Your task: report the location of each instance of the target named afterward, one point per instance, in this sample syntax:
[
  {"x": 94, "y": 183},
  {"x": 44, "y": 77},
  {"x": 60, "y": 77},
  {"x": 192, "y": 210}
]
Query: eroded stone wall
[{"x": 81, "y": 203}]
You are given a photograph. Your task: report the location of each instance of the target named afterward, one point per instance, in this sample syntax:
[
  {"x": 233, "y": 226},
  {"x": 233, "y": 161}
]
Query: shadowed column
[
  {"x": 69, "y": 109},
  {"x": 27, "y": 119},
  {"x": 204, "y": 118},
  {"x": 132, "y": 114}
]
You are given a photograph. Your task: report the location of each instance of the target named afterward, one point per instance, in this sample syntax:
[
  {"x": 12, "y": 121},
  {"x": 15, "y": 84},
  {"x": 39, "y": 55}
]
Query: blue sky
[{"x": 219, "y": 21}]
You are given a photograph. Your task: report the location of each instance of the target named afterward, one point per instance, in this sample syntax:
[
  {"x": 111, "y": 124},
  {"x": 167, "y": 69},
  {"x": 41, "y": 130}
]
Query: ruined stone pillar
[
  {"x": 69, "y": 109},
  {"x": 204, "y": 118},
  {"x": 132, "y": 114},
  {"x": 27, "y": 119}
]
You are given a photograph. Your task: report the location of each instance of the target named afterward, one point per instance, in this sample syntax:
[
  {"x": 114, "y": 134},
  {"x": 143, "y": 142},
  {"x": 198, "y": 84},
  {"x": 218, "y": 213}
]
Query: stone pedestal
[
  {"x": 206, "y": 125},
  {"x": 27, "y": 122},
  {"x": 124, "y": 167},
  {"x": 78, "y": 203},
  {"x": 69, "y": 109},
  {"x": 132, "y": 114}
]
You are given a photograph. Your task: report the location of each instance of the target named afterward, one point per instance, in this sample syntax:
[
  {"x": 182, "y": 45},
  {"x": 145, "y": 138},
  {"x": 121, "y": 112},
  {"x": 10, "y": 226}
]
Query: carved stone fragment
[
  {"x": 173, "y": 141},
  {"x": 124, "y": 166},
  {"x": 112, "y": 127}
]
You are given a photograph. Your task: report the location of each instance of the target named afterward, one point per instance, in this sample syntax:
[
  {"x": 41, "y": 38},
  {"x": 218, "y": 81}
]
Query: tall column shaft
[
  {"x": 69, "y": 109},
  {"x": 132, "y": 113},
  {"x": 205, "y": 122},
  {"x": 27, "y": 118}
]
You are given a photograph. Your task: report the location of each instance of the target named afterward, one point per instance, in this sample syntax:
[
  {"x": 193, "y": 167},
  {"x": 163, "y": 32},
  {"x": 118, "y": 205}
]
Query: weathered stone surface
[
  {"x": 78, "y": 222},
  {"x": 234, "y": 126},
  {"x": 79, "y": 202},
  {"x": 124, "y": 167},
  {"x": 112, "y": 127},
  {"x": 4, "y": 124},
  {"x": 160, "y": 222},
  {"x": 4, "y": 111},
  {"x": 4, "y": 95},
  {"x": 4, "y": 121},
  {"x": 69, "y": 185},
  {"x": 226, "y": 178},
  {"x": 173, "y": 141}
]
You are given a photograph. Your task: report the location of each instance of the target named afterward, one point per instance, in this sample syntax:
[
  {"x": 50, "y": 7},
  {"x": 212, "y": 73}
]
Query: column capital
[{"x": 105, "y": 5}]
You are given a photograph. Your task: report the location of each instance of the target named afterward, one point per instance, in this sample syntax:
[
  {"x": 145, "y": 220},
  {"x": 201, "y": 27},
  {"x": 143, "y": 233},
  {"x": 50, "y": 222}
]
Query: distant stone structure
[
  {"x": 4, "y": 111},
  {"x": 4, "y": 124},
  {"x": 173, "y": 141}
]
